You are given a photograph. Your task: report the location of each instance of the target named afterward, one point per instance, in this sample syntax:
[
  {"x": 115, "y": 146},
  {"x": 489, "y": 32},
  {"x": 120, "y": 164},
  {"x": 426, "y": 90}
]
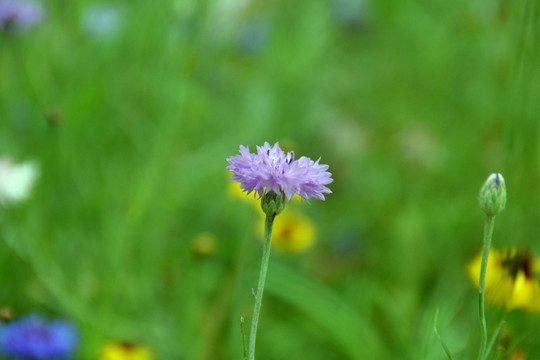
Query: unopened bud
[{"x": 492, "y": 197}]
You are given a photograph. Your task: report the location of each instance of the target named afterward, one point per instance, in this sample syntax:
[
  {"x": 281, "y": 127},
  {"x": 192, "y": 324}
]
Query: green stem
[
  {"x": 488, "y": 234},
  {"x": 243, "y": 333},
  {"x": 494, "y": 338},
  {"x": 443, "y": 344},
  {"x": 269, "y": 223}
]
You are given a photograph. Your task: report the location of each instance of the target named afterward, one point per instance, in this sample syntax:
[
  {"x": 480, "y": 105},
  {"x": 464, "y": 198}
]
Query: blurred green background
[{"x": 131, "y": 118}]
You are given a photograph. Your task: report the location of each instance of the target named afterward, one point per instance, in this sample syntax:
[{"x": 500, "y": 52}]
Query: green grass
[{"x": 411, "y": 106}]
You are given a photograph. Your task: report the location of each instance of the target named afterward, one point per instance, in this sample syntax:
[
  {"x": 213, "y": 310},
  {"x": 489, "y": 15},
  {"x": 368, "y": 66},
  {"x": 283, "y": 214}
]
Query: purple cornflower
[
  {"x": 19, "y": 14},
  {"x": 34, "y": 338},
  {"x": 273, "y": 170}
]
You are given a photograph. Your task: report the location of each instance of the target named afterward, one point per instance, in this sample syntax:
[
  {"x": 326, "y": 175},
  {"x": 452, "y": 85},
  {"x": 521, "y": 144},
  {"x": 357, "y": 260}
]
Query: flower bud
[
  {"x": 272, "y": 203},
  {"x": 492, "y": 197}
]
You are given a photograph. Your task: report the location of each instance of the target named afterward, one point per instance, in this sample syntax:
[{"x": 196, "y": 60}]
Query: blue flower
[
  {"x": 34, "y": 338},
  {"x": 273, "y": 170},
  {"x": 19, "y": 14}
]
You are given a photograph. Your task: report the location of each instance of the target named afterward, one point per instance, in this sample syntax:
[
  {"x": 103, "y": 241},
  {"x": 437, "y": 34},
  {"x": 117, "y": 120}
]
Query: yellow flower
[
  {"x": 204, "y": 244},
  {"x": 125, "y": 351},
  {"x": 510, "y": 279},
  {"x": 518, "y": 354},
  {"x": 6, "y": 314},
  {"x": 293, "y": 232}
]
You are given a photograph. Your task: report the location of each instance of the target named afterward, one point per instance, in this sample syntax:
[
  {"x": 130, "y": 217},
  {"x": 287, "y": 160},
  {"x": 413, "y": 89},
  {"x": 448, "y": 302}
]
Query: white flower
[
  {"x": 103, "y": 21},
  {"x": 16, "y": 180}
]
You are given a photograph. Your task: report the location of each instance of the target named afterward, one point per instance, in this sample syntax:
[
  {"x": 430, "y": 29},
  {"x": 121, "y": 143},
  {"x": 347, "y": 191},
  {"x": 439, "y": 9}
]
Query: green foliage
[{"x": 411, "y": 104}]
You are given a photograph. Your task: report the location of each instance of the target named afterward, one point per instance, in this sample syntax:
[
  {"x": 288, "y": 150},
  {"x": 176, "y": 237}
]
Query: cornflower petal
[
  {"x": 271, "y": 169},
  {"x": 19, "y": 14},
  {"x": 34, "y": 338}
]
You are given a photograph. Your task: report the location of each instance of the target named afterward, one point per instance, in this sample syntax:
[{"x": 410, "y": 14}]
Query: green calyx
[{"x": 272, "y": 203}]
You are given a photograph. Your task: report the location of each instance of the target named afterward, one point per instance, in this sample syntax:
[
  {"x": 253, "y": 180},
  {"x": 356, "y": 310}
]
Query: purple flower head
[
  {"x": 273, "y": 170},
  {"x": 19, "y": 14},
  {"x": 34, "y": 338}
]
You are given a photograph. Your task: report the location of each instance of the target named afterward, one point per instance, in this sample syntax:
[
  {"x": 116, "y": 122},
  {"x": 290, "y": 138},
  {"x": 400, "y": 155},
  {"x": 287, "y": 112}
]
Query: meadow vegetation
[{"x": 133, "y": 231}]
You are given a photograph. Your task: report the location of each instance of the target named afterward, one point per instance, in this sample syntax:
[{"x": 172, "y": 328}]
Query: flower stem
[
  {"x": 488, "y": 233},
  {"x": 242, "y": 332},
  {"x": 269, "y": 223},
  {"x": 443, "y": 344},
  {"x": 494, "y": 338}
]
